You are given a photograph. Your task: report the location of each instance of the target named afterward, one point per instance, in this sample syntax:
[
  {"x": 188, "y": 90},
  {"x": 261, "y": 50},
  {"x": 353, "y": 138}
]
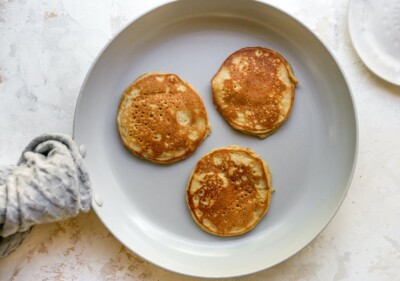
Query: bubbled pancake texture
[
  {"x": 161, "y": 118},
  {"x": 229, "y": 191},
  {"x": 254, "y": 90}
]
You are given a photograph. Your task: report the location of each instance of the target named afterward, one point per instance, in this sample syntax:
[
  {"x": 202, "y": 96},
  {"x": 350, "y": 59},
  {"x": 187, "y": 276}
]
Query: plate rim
[{"x": 96, "y": 208}]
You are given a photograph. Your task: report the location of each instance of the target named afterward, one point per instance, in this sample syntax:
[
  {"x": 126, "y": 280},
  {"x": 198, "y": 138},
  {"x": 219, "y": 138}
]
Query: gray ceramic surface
[{"x": 312, "y": 156}]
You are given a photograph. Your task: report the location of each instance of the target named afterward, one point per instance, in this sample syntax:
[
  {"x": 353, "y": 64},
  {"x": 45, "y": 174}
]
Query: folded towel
[{"x": 49, "y": 183}]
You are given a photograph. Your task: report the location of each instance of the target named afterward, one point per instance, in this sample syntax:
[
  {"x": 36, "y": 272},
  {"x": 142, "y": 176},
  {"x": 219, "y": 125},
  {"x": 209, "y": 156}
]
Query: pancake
[
  {"x": 254, "y": 90},
  {"x": 229, "y": 191},
  {"x": 162, "y": 118}
]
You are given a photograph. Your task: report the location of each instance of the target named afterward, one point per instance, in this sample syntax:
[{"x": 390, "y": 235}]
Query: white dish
[
  {"x": 312, "y": 156},
  {"x": 375, "y": 32}
]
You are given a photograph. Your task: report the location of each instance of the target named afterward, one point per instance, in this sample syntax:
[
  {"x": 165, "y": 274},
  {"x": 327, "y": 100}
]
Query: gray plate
[{"x": 312, "y": 156}]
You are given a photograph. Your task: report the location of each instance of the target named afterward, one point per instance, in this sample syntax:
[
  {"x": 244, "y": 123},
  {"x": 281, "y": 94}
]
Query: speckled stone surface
[{"x": 46, "y": 50}]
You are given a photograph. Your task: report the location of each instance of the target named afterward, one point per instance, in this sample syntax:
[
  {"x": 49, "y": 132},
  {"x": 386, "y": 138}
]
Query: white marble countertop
[{"x": 46, "y": 50}]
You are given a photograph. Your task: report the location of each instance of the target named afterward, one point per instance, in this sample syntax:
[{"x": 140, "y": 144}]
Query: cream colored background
[{"x": 46, "y": 48}]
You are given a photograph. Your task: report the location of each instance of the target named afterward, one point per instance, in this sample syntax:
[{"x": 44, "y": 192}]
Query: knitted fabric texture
[{"x": 50, "y": 183}]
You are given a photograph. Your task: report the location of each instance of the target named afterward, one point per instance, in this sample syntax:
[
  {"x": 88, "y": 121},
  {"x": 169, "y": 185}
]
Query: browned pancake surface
[
  {"x": 254, "y": 90},
  {"x": 229, "y": 191},
  {"x": 162, "y": 118}
]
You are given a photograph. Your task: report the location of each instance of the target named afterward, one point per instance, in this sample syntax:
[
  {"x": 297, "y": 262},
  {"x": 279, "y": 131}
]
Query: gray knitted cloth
[{"x": 49, "y": 183}]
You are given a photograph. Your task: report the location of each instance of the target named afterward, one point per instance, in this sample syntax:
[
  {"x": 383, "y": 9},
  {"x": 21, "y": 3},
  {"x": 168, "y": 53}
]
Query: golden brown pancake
[
  {"x": 254, "y": 90},
  {"x": 229, "y": 191},
  {"x": 162, "y": 118}
]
